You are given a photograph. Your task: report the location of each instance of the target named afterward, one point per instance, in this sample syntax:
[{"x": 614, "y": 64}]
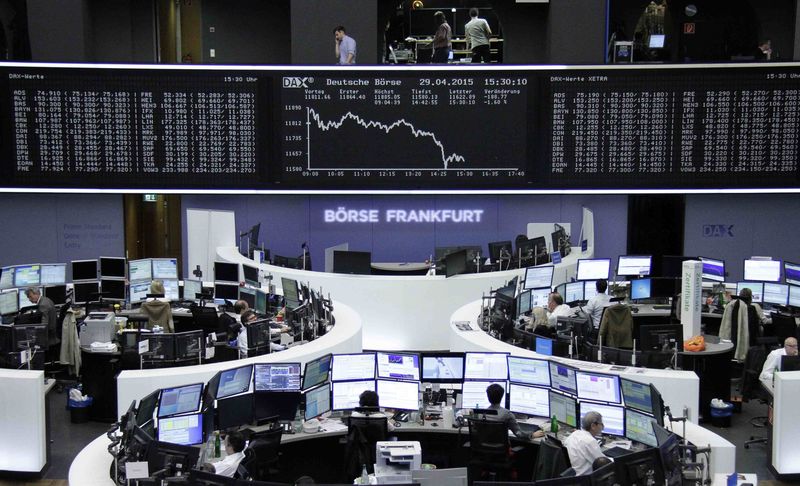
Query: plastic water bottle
[
  {"x": 364, "y": 475},
  {"x": 554, "y": 424},
  {"x": 217, "y": 445},
  {"x": 298, "y": 422}
]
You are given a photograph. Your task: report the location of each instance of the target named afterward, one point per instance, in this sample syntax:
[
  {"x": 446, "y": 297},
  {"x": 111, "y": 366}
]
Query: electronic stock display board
[{"x": 287, "y": 128}]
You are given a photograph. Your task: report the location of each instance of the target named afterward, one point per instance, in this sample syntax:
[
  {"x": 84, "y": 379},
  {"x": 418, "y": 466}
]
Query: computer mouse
[
  {"x": 634, "y": 310},
  {"x": 396, "y": 424},
  {"x": 434, "y": 424}
]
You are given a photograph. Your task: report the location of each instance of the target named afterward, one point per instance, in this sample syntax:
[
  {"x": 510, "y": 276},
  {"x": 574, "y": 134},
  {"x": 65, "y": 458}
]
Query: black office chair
[
  {"x": 489, "y": 450},
  {"x": 551, "y": 461},
  {"x": 205, "y": 318},
  {"x": 783, "y": 326},
  {"x": 362, "y": 434},
  {"x": 261, "y": 455},
  {"x": 753, "y": 389}
]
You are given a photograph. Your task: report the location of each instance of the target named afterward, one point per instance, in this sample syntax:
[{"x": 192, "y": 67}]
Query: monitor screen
[
  {"x": 248, "y": 295},
  {"x": 498, "y": 249},
  {"x": 165, "y": 268},
  {"x": 138, "y": 291},
  {"x": 27, "y": 275},
  {"x": 661, "y": 337},
  {"x": 183, "y": 429},
  {"x": 455, "y": 263},
  {"x": 640, "y": 289},
  {"x": 226, "y": 272},
  {"x": 791, "y": 273},
  {"x": 188, "y": 344},
  {"x": 360, "y": 366},
  {"x": 85, "y": 292},
  {"x": 250, "y": 275},
  {"x": 290, "y": 292},
  {"x": 573, "y": 291},
  {"x": 598, "y": 387},
  {"x": 565, "y": 408},
  {"x": 282, "y": 404},
  {"x": 637, "y": 395},
  {"x": 762, "y": 270},
  {"x": 544, "y": 346},
  {"x": 139, "y": 270},
  {"x": 657, "y": 41},
  {"x": 22, "y": 299},
  {"x": 261, "y": 302},
  {"x": 7, "y": 278},
  {"x": 112, "y": 267},
  {"x": 539, "y": 277},
  {"x": 539, "y": 297},
  {"x": 352, "y": 262},
  {"x": 399, "y": 395},
  {"x": 474, "y": 393},
  {"x": 318, "y": 401},
  {"x": 613, "y": 417},
  {"x": 398, "y": 366},
  {"x": 444, "y": 367},
  {"x": 147, "y": 406},
  {"x": 639, "y": 427},
  {"x": 713, "y": 269},
  {"x": 524, "y": 303},
  {"x": 226, "y": 291},
  {"x": 529, "y": 400},
  {"x": 634, "y": 265},
  {"x": 172, "y": 289},
  {"x": 345, "y": 393},
  {"x": 790, "y": 363},
  {"x": 113, "y": 289},
  {"x": 562, "y": 378},
  {"x": 181, "y": 399},
  {"x": 56, "y": 293},
  {"x": 234, "y": 381},
  {"x": 530, "y": 371},
  {"x": 84, "y": 270},
  {"x": 53, "y": 274},
  {"x": 277, "y": 377},
  {"x": 486, "y": 366},
  {"x": 235, "y": 411},
  {"x": 316, "y": 371},
  {"x": 756, "y": 287},
  {"x": 593, "y": 269},
  {"x": 794, "y": 295},
  {"x": 775, "y": 293},
  {"x": 191, "y": 288},
  {"x": 589, "y": 290}
]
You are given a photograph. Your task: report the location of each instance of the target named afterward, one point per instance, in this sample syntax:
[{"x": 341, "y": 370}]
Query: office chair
[
  {"x": 489, "y": 450},
  {"x": 261, "y": 455},
  {"x": 362, "y": 434},
  {"x": 616, "y": 326},
  {"x": 783, "y": 326},
  {"x": 552, "y": 460},
  {"x": 160, "y": 313},
  {"x": 752, "y": 387},
  {"x": 205, "y": 318}
]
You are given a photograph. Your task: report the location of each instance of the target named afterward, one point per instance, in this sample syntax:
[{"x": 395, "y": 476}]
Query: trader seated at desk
[
  {"x": 594, "y": 308},
  {"x": 158, "y": 309},
  {"x": 249, "y": 316},
  {"x": 239, "y": 307},
  {"x": 369, "y": 399},
  {"x": 557, "y": 308},
  {"x": 582, "y": 446},
  {"x": 494, "y": 393},
  {"x": 234, "y": 447},
  {"x": 537, "y": 318},
  {"x": 773, "y": 361}
]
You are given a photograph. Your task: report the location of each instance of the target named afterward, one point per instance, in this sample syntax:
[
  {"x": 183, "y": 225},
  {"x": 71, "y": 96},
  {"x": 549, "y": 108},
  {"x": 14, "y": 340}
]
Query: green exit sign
[{"x": 149, "y": 197}]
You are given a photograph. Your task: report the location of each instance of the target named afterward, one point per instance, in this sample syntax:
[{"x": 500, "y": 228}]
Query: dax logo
[
  {"x": 717, "y": 230},
  {"x": 296, "y": 82}
]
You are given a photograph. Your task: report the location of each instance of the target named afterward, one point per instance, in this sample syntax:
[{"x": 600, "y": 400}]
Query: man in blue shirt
[{"x": 345, "y": 46}]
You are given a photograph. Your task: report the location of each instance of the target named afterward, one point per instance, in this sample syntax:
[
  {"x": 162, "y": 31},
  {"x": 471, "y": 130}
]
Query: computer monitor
[
  {"x": 226, "y": 272},
  {"x": 316, "y": 371},
  {"x": 641, "y": 467},
  {"x": 442, "y": 367},
  {"x": 188, "y": 345},
  {"x": 181, "y": 429},
  {"x": 202, "y": 478},
  {"x": 794, "y": 296},
  {"x": 162, "y": 346},
  {"x": 191, "y": 288},
  {"x": 112, "y": 267},
  {"x": 564, "y": 408},
  {"x": 113, "y": 289},
  {"x": 352, "y": 262},
  {"x": 504, "y": 299},
  {"x": 22, "y": 298},
  {"x": 84, "y": 292},
  {"x": 790, "y": 363},
  {"x": 656, "y": 41},
  {"x": 634, "y": 265},
  {"x": 562, "y": 378},
  {"x": 179, "y": 458},
  {"x": 791, "y": 273},
  {"x": 776, "y": 294},
  {"x": 573, "y": 291},
  {"x": 756, "y": 287},
  {"x": 6, "y": 278},
  {"x": 250, "y": 275},
  {"x": 589, "y": 289},
  {"x": 318, "y": 401},
  {"x": 560, "y": 239},
  {"x": 597, "y": 387},
  {"x": 165, "y": 268},
  {"x": 486, "y": 366},
  {"x": 529, "y": 400},
  {"x": 497, "y": 247},
  {"x": 147, "y": 407},
  {"x": 9, "y": 302},
  {"x": 172, "y": 289},
  {"x": 180, "y": 399},
  {"x": 235, "y": 411},
  {"x": 140, "y": 270},
  {"x": 661, "y": 337},
  {"x": 248, "y": 295},
  {"x": 30, "y": 335},
  {"x": 281, "y": 404},
  {"x": 137, "y": 292},
  {"x": 663, "y": 288},
  {"x": 290, "y": 292},
  {"x": 234, "y": 381},
  {"x": 669, "y": 449},
  {"x": 84, "y": 270},
  {"x": 762, "y": 270},
  {"x": 455, "y": 263},
  {"x": 528, "y": 371},
  {"x": 640, "y": 289},
  {"x": 398, "y": 366},
  {"x": 593, "y": 269},
  {"x": 639, "y": 427},
  {"x": 27, "y": 275},
  {"x": 613, "y": 416},
  {"x": 539, "y": 297},
  {"x": 278, "y": 377},
  {"x": 605, "y": 476},
  {"x": 473, "y": 393},
  {"x": 261, "y": 304},
  {"x": 539, "y": 277},
  {"x": 637, "y": 395},
  {"x": 56, "y": 293},
  {"x": 357, "y": 366},
  {"x": 399, "y": 395},
  {"x": 226, "y": 291},
  {"x": 345, "y": 393},
  {"x": 53, "y": 274},
  {"x": 544, "y": 346},
  {"x": 523, "y": 303},
  {"x": 258, "y": 334},
  {"x": 713, "y": 269}
]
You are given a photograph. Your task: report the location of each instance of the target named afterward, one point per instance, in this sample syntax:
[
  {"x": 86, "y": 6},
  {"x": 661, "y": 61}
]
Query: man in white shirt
[
  {"x": 597, "y": 303},
  {"x": 556, "y": 308},
  {"x": 582, "y": 445},
  {"x": 477, "y": 34},
  {"x": 234, "y": 445},
  {"x": 773, "y": 362},
  {"x": 248, "y": 317}
]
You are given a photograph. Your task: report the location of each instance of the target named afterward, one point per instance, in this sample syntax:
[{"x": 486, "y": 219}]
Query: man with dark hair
[
  {"x": 594, "y": 308},
  {"x": 494, "y": 393},
  {"x": 582, "y": 446},
  {"x": 557, "y": 308},
  {"x": 477, "y": 33},
  {"x": 369, "y": 398},
  {"x": 441, "y": 39},
  {"x": 345, "y": 47},
  {"x": 234, "y": 445}
]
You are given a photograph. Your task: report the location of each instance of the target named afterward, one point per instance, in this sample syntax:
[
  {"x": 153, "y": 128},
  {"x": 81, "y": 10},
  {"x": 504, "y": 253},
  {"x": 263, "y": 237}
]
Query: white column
[{"x": 691, "y": 297}]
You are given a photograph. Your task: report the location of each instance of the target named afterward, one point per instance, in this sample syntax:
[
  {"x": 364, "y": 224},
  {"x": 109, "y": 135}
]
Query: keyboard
[
  {"x": 528, "y": 428},
  {"x": 662, "y": 307}
]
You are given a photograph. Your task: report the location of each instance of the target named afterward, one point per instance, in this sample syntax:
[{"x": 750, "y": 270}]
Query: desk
[
  {"x": 408, "y": 268},
  {"x": 23, "y": 420},
  {"x": 785, "y": 455}
]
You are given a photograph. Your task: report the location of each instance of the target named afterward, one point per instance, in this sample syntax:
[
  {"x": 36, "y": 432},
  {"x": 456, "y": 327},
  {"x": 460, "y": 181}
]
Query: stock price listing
[{"x": 406, "y": 131}]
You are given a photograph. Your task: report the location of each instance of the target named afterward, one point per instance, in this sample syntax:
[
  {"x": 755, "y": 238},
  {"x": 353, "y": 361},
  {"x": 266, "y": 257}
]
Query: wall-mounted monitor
[
  {"x": 634, "y": 265},
  {"x": 486, "y": 366},
  {"x": 318, "y": 401},
  {"x": 27, "y": 275},
  {"x": 84, "y": 270},
  {"x": 597, "y": 387},
  {"x": 316, "y": 371},
  {"x": 234, "y": 381},
  {"x": 613, "y": 416},
  {"x": 756, "y": 287},
  {"x": 762, "y": 270},
  {"x": 180, "y": 399},
  {"x": 226, "y": 272},
  {"x": 140, "y": 270},
  {"x": 357, "y": 366},
  {"x": 539, "y": 277},
  {"x": 183, "y": 429},
  {"x": 398, "y": 366},
  {"x": 165, "y": 268},
  {"x": 473, "y": 393},
  {"x": 345, "y": 393},
  {"x": 565, "y": 408},
  {"x": 529, "y": 371},
  {"x": 562, "y": 378},
  {"x": 593, "y": 269},
  {"x": 529, "y": 400},
  {"x": 399, "y": 395},
  {"x": 112, "y": 267},
  {"x": 712, "y": 269},
  {"x": 775, "y": 293},
  {"x": 442, "y": 367},
  {"x": 53, "y": 274},
  {"x": 791, "y": 272},
  {"x": 282, "y": 377}
]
